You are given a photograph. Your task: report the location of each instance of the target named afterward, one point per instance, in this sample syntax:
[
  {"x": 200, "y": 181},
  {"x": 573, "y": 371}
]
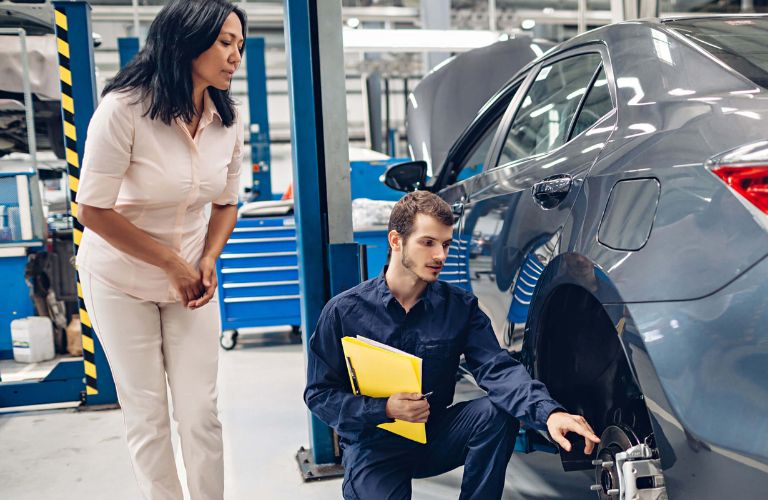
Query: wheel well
[{"x": 581, "y": 360}]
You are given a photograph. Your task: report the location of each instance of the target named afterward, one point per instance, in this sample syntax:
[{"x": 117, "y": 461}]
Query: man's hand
[
  {"x": 408, "y": 406},
  {"x": 560, "y": 423}
]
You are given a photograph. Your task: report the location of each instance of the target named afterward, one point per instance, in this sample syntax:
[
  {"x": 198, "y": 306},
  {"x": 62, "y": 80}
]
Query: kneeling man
[{"x": 406, "y": 307}]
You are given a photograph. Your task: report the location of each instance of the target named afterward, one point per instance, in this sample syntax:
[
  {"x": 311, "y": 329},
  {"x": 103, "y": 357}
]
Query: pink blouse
[{"x": 160, "y": 179}]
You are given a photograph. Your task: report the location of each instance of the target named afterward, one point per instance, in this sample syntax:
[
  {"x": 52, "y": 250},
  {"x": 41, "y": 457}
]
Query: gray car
[{"x": 616, "y": 234}]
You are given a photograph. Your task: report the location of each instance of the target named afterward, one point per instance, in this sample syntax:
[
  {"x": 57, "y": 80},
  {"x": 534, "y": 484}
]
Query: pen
[
  {"x": 355, "y": 384},
  {"x": 427, "y": 395}
]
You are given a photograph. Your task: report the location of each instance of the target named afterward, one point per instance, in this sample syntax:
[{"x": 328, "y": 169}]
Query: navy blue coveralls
[{"x": 445, "y": 323}]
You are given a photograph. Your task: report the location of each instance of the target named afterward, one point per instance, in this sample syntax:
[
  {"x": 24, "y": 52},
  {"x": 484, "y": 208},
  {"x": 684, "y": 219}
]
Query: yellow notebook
[{"x": 381, "y": 371}]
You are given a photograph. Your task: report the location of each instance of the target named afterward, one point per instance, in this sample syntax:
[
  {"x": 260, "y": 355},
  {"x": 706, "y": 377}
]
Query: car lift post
[
  {"x": 317, "y": 92},
  {"x": 256, "y": 72},
  {"x": 127, "y": 47},
  {"x": 78, "y": 101},
  {"x": 70, "y": 381}
]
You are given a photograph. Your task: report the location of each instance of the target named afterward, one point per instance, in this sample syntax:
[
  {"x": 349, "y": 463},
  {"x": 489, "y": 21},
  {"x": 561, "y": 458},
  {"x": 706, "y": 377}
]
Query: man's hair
[{"x": 404, "y": 213}]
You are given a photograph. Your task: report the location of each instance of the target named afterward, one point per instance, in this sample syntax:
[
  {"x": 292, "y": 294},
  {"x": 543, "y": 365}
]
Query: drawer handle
[
  {"x": 260, "y": 299},
  {"x": 247, "y": 255},
  {"x": 263, "y": 229},
  {"x": 232, "y": 270},
  {"x": 258, "y": 240},
  {"x": 259, "y": 283}
]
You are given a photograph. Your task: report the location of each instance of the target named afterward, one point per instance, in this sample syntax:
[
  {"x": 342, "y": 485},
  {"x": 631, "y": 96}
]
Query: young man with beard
[{"x": 406, "y": 307}]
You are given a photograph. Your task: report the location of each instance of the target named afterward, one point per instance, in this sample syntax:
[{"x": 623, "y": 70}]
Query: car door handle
[{"x": 551, "y": 191}]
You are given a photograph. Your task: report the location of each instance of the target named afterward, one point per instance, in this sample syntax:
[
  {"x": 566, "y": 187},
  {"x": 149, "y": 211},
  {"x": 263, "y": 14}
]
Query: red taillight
[{"x": 751, "y": 182}]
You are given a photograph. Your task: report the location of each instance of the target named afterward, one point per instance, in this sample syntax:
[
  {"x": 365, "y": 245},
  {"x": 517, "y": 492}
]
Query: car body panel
[
  {"x": 700, "y": 228},
  {"x": 501, "y": 213},
  {"x": 700, "y": 376},
  {"x": 688, "y": 296}
]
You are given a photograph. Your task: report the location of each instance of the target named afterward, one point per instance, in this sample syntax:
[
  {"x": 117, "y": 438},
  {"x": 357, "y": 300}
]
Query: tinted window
[
  {"x": 545, "y": 115},
  {"x": 597, "y": 104},
  {"x": 467, "y": 158},
  {"x": 474, "y": 164},
  {"x": 741, "y": 43}
]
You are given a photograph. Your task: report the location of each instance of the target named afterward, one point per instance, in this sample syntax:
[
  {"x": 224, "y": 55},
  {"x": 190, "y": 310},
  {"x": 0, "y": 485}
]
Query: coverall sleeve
[
  {"x": 328, "y": 393},
  {"x": 505, "y": 379}
]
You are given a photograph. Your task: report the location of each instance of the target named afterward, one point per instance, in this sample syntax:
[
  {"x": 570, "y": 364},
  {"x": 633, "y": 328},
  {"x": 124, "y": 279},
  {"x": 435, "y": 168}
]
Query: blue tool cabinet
[{"x": 259, "y": 277}]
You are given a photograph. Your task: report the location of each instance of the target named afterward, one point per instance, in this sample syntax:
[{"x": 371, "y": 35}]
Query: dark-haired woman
[{"x": 164, "y": 144}]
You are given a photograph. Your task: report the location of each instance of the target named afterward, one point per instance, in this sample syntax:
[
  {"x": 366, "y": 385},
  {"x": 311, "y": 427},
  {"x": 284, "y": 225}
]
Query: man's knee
[{"x": 374, "y": 473}]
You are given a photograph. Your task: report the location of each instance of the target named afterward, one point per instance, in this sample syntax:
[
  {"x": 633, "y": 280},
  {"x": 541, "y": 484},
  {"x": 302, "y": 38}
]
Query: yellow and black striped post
[{"x": 78, "y": 101}]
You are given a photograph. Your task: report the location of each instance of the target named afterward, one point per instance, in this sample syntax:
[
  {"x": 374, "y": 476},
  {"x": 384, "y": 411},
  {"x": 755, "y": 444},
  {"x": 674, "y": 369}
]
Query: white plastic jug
[{"x": 32, "y": 339}]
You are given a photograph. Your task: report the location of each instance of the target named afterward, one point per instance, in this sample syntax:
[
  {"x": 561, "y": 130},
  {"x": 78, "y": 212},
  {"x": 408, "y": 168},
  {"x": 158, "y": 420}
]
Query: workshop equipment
[
  {"x": 65, "y": 383},
  {"x": 20, "y": 232},
  {"x": 259, "y": 277},
  {"x": 258, "y": 274},
  {"x": 32, "y": 339}
]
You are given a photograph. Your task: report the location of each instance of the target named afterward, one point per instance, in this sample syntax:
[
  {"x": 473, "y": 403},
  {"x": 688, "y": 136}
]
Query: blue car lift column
[
  {"x": 316, "y": 86},
  {"x": 127, "y": 48},
  {"x": 78, "y": 101},
  {"x": 261, "y": 189},
  {"x": 89, "y": 381}
]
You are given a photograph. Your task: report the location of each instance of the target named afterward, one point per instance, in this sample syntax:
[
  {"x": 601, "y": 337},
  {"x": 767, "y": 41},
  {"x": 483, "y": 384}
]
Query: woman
[{"x": 164, "y": 144}]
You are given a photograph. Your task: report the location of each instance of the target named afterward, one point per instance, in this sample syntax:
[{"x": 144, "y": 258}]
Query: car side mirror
[{"x": 408, "y": 176}]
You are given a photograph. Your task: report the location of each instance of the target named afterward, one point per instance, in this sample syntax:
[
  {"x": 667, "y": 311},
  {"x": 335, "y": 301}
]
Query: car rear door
[
  {"x": 465, "y": 160},
  {"x": 513, "y": 212}
]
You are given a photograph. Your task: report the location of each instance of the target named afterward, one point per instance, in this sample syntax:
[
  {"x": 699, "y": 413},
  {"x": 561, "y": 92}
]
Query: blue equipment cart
[{"x": 259, "y": 275}]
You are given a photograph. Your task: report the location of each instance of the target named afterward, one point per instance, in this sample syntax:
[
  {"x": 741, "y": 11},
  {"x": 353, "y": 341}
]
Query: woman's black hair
[{"x": 162, "y": 70}]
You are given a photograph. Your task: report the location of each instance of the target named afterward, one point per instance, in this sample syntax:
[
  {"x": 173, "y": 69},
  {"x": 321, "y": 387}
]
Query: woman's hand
[
  {"x": 208, "y": 277},
  {"x": 185, "y": 280}
]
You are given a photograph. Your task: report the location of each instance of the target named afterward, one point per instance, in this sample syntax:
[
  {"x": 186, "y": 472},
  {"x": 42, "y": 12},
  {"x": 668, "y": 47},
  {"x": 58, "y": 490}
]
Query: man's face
[{"x": 426, "y": 249}]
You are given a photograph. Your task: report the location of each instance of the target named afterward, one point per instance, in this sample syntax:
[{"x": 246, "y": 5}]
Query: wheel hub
[
  {"x": 615, "y": 439},
  {"x": 626, "y": 469}
]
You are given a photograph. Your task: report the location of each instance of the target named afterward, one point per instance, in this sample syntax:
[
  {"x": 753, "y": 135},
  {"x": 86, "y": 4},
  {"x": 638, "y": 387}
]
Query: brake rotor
[{"x": 615, "y": 439}]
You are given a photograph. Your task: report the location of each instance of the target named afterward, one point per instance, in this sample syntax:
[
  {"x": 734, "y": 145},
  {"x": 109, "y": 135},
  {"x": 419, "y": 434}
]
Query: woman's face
[{"x": 215, "y": 66}]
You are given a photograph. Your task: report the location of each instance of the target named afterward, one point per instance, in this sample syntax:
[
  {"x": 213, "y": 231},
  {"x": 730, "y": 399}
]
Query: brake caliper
[{"x": 633, "y": 474}]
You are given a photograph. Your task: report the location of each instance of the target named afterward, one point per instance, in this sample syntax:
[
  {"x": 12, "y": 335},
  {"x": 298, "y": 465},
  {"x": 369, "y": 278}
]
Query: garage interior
[{"x": 62, "y": 432}]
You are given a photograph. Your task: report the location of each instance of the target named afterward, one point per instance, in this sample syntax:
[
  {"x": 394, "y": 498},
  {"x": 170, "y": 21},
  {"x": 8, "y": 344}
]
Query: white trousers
[{"x": 145, "y": 342}]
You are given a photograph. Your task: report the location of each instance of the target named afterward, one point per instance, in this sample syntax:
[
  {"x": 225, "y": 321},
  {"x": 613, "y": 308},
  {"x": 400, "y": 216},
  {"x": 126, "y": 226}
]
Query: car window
[
  {"x": 545, "y": 115},
  {"x": 738, "y": 42},
  {"x": 597, "y": 104},
  {"x": 473, "y": 165},
  {"x": 476, "y": 151}
]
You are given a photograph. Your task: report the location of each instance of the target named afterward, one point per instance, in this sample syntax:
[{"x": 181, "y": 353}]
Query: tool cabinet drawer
[
  {"x": 260, "y": 274},
  {"x": 261, "y": 290},
  {"x": 258, "y": 259},
  {"x": 266, "y": 312}
]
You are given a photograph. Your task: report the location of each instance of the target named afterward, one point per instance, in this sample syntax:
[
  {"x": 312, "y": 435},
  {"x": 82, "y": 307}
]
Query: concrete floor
[{"x": 68, "y": 454}]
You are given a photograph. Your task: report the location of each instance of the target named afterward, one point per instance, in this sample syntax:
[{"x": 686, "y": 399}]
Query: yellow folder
[{"x": 379, "y": 371}]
